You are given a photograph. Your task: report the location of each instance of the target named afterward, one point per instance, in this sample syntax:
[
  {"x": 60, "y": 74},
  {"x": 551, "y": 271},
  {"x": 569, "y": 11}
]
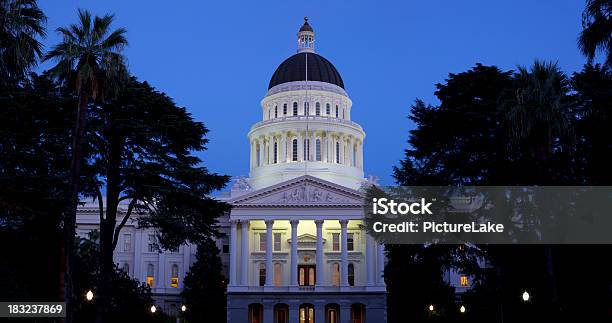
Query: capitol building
[{"x": 295, "y": 247}]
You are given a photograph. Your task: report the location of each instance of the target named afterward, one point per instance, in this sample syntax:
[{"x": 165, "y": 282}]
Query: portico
[{"x": 303, "y": 239}]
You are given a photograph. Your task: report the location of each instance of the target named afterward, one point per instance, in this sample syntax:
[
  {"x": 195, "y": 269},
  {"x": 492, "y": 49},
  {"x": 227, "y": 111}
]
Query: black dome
[{"x": 294, "y": 69}]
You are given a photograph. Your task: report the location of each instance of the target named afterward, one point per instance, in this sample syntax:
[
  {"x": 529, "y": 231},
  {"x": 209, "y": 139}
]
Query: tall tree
[
  {"x": 597, "y": 30},
  {"x": 89, "y": 61},
  {"x": 21, "y": 24},
  {"x": 205, "y": 284},
  {"x": 142, "y": 155}
]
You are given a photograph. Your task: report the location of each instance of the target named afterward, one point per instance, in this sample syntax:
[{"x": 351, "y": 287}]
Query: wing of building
[{"x": 296, "y": 249}]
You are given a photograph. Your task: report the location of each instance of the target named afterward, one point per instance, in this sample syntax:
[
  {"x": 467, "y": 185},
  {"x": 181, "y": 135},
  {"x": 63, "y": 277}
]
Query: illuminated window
[
  {"x": 278, "y": 271},
  {"x": 336, "y": 274},
  {"x": 151, "y": 245},
  {"x": 350, "y": 241},
  {"x": 464, "y": 281},
  {"x": 318, "y": 150},
  {"x": 150, "y": 275},
  {"x": 306, "y": 313},
  {"x": 262, "y": 274},
  {"x": 127, "y": 242},
  {"x": 335, "y": 242},
  {"x": 318, "y": 109},
  {"x": 262, "y": 242},
  {"x": 294, "y": 151},
  {"x": 174, "y": 278},
  {"x": 295, "y": 108},
  {"x": 277, "y": 242},
  {"x": 351, "y": 274}
]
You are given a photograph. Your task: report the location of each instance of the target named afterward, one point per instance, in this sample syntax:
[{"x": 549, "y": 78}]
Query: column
[
  {"x": 294, "y": 253},
  {"x": 269, "y": 267},
  {"x": 324, "y": 146},
  {"x": 381, "y": 265},
  {"x": 283, "y": 148},
  {"x": 360, "y": 154},
  {"x": 345, "y": 313},
  {"x": 244, "y": 262},
  {"x": 369, "y": 259},
  {"x": 352, "y": 152},
  {"x": 261, "y": 151},
  {"x": 271, "y": 149},
  {"x": 344, "y": 254},
  {"x": 313, "y": 153},
  {"x": 319, "y": 277},
  {"x": 268, "y": 312},
  {"x": 341, "y": 141},
  {"x": 232, "y": 243}
]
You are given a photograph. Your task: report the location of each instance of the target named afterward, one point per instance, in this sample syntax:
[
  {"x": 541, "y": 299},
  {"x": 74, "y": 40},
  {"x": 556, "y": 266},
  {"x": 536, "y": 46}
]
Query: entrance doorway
[{"x": 306, "y": 275}]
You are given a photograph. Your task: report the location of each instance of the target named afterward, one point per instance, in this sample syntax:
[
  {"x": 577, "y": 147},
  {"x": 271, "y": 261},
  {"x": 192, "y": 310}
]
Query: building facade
[{"x": 295, "y": 248}]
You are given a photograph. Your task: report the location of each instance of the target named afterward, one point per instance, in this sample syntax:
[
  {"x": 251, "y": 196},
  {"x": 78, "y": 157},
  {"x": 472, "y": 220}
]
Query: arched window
[
  {"x": 278, "y": 272},
  {"x": 306, "y": 149},
  {"x": 126, "y": 268},
  {"x": 337, "y": 153},
  {"x": 262, "y": 274},
  {"x": 332, "y": 313},
  {"x": 295, "y": 109},
  {"x": 318, "y": 150},
  {"x": 150, "y": 275},
  {"x": 275, "y": 152},
  {"x": 275, "y": 111},
  {"x": 255, "y": 313},
  {"x": 335, "y": 274},
  {"x": 306, "y": 109},
  {"x": 351, "y": 274},
  {"x": 294, "y": 151},
  {"x": 318, "y": 109},
  {"x": 358, "y": 313},
  {"x": 281, "y": 313},
  {"x": 327, "y": 109},
  {"x": 306, "y": 313},
  {"x": 336, "y": 111},
  {"x": 174, "y": 279},
  {"x": 285, "y": 109}
]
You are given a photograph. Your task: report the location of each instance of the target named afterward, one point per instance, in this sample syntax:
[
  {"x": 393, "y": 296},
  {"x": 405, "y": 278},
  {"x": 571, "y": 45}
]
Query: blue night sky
[{"x": 216, "y": 57}]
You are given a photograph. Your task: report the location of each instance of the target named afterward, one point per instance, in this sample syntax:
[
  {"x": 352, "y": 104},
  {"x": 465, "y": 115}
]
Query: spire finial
[{"x": 306, "y": 37}]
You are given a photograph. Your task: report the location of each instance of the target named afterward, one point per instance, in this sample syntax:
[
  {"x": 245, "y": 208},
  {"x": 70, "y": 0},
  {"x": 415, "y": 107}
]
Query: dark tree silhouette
[
  {"x": 204, "y": 292},
  {"x": 89, "y": 61},
  {"x": 597, "y": 30}
]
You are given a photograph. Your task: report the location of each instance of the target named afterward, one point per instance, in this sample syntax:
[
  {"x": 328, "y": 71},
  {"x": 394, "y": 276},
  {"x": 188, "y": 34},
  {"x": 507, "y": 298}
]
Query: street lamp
[
  {"x": 462, "y": 309},
  {"x": 526, "y": 296},
  {"x": 431, "y": 308},
  {"x": 153, "y": 309},
  {"x": 183, "y": 308},
  {"x": 89, "y": 295}
]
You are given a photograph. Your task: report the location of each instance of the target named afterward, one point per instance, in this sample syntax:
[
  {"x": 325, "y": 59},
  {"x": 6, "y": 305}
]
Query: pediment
[{"x": 302, "y": 191}]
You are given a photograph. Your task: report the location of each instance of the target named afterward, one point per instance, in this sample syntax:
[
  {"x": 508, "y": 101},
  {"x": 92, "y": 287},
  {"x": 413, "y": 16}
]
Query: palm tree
[
  {"x": 89, "y": 60},
  {"x": 540, "y": 117},
  {"x": 21, "y": 23},
  {"x": 597, "y": 29},
  {"x": 538, "y": 110}
]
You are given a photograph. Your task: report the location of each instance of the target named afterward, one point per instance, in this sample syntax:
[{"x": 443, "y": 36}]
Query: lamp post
[
  {"x": 153, "y": 309},
  {"x": 89, "y": 296},
  {"x": 462, "y": 309},
  {"x": 431, "y": 308}
]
